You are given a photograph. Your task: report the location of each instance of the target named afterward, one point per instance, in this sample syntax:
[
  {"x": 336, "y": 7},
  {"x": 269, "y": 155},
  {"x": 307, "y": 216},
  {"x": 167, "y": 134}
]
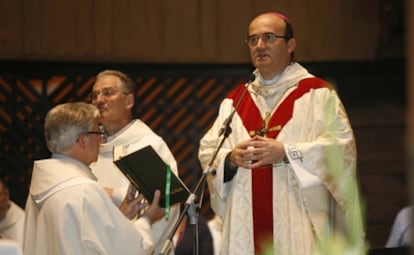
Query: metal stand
[
  {"x": 190, "y": 207},
  {"x": 225, "y": 130}
]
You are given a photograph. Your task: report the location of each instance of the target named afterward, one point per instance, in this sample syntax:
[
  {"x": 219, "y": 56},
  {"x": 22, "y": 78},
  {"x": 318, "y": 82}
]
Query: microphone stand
[
  {"x": 190, "y": 204},
  {"x": 193, "y": 213}
]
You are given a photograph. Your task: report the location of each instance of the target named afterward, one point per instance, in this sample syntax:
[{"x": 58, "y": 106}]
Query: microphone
[
  {"x": 191, "y": 200},
  {"x": 226, "y": 124}
]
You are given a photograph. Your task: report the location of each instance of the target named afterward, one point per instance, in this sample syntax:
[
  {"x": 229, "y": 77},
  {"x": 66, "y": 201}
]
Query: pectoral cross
[{"x": 264, "y": 129}]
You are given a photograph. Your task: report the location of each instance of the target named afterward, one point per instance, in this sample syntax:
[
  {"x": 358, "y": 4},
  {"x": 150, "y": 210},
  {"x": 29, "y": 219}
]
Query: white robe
[
  {"x": 135, "y": 136},
  {"x": 318, "y": 139},
  {"x": 400, "y": 235},
  {"x": 11, "y": 227},
  {"x": 68, "y": 212}
]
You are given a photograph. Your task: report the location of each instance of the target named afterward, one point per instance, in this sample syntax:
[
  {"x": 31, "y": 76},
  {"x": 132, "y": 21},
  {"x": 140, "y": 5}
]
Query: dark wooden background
[
  {"x": 184, "y": 30},
  {"x": 185, "y": 55}
]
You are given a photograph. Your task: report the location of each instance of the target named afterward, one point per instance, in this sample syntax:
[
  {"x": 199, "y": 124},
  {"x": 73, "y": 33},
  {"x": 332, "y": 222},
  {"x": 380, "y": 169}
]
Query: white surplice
[
  {"x": 135, "y": 136},
  {"x": 12, "y": 225},
  {"x": 68, "y": 212},
  {"x": 318, "y": 141}
]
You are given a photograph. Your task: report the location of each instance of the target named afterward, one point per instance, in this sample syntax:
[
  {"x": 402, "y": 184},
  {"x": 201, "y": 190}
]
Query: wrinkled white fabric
[
  {"x": 305, "y": 197},
  {"x": 400, "y": 235},
  {"x": 135, "y": 136},
  {"x": 12, "y": 225},
  {"x": 68, "y": 212}
]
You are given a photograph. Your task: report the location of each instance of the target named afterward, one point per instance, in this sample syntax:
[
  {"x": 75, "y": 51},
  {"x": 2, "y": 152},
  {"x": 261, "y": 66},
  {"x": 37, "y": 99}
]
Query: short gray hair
[
  {"x": 65, "y": 122},
  {"x": 127, "y": 83}
]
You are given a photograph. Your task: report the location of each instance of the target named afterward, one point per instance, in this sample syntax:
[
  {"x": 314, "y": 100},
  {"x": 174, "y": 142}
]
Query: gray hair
[
  {"x": 127, "y": 84},
  {"x": 65, "y": 122}
]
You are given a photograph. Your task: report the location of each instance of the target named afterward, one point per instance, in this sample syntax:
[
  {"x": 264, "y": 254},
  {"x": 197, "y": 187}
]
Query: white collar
[{"x": 271, "y": 81}]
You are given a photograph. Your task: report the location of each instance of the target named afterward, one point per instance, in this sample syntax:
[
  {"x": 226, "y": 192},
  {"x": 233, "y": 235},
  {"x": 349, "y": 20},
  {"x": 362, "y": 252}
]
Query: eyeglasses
[
  {"x": 252, "y": 40},
  {"x": 101, "y": 134},
  {"x": 105, "y": 92}
]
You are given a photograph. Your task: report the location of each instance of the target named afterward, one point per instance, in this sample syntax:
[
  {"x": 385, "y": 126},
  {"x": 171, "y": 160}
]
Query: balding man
[{"x": 291, "y": 150}]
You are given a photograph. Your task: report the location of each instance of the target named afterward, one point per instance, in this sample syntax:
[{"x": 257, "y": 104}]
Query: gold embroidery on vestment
[{"x": 264, "y": 129}]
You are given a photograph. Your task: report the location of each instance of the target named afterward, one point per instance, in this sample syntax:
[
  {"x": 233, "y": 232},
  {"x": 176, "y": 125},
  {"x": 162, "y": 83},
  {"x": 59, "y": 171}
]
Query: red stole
[{"x": 262, "y": 188}]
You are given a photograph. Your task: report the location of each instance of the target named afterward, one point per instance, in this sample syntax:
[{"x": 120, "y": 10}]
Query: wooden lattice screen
[{"x": 178, "y": 102}]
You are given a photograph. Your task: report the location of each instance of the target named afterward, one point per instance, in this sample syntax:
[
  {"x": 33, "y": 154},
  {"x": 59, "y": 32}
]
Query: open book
[{"x": 148, "y": 172}]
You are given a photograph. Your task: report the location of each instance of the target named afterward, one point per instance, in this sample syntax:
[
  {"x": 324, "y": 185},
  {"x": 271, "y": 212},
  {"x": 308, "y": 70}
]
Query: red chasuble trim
[{"x": 262, "y": 192}]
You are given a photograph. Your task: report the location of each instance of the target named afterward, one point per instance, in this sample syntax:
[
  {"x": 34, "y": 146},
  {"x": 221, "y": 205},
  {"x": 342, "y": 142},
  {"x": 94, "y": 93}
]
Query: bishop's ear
[{"x": 291, "y": 44}]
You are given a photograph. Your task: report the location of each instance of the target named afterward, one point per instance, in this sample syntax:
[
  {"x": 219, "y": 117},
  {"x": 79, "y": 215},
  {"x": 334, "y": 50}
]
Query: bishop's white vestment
[{"x": 304, "y": 199}]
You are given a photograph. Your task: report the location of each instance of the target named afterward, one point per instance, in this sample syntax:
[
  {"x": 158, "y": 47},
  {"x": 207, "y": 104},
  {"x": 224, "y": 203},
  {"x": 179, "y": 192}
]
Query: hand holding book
[{"x": 148, "y": 172}]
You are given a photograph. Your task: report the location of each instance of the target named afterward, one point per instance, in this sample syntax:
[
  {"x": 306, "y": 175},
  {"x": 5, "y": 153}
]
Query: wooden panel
[
  {"x": 84, "y": 27},
  {"x": 232, "y": 30},
  {"x": 361, "y": 38},
  {"x": 182, "y": 30},
  {"x": 188, "y": 31},
  {"x": 154, "y": 22},
  {"x": 276, "y": 6},
  {"x": 378, "y": 114},
  {"x": 298, "y": 13},
  {"x": 128, "y": 34},
  {"x": 209, "y": 40},
  {"x": 379, "y": 186},
  {"x": 373, "y": 225},
  {"x": 319, "y": 12},
  {"x": 101, "y": 22},
  {"x": 379, "y": 234},
  {"x": 382, "y": 143},
  {"x": 60, "y": 30},
  {"x": 34, "y": 38},
  {"x": 330, "y": 22},
  {"x": 11, "y": 23},
  {"x": 389, "y": 166}
]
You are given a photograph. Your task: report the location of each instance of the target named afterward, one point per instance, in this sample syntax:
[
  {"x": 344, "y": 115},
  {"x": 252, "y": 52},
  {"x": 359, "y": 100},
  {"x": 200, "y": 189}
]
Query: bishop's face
[{"x": 270, "y": 53}]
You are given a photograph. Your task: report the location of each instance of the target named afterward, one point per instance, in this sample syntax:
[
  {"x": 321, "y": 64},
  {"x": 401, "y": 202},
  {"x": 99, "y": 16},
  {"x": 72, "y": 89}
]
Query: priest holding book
[
  {"x": 67, "y": 212},
  {"x": 114, "y": 95}
]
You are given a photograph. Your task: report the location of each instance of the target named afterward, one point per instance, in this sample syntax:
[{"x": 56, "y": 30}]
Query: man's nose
[
  {"x": 98, "y": 98},
  {"x": 260, "y": 42}
]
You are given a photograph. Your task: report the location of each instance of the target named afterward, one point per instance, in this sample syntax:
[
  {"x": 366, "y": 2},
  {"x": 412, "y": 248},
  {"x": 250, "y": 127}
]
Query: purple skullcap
[
  {"x": 287, "y": 21},
  {"x": 280, "y": 15}
]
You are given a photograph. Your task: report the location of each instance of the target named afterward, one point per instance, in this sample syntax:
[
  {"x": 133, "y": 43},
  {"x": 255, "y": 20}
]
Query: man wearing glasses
[
  {"x": 67, "y": 211},
  {"x": 114, "y": 95},
  {"x": 277, "y": 175}
]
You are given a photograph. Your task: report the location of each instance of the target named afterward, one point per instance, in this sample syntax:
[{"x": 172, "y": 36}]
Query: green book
[{"x": 148, "y": 172}]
